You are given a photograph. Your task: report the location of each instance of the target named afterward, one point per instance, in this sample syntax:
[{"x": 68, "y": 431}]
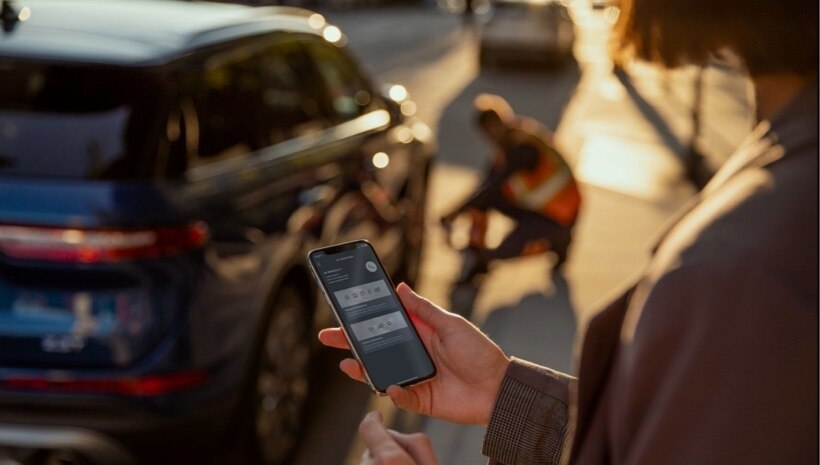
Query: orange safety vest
[{"x": 549, "y": 188}]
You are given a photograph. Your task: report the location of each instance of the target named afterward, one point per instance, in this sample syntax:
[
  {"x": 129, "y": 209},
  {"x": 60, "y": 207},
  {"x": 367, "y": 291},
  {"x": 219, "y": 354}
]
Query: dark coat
[{"x": 712, "y": 358}]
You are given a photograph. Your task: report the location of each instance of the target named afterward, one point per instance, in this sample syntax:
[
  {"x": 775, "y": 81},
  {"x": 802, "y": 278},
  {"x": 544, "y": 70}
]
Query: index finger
[
  {"x": 378, "y": 440},
  {"x": 333, "y": 337}
]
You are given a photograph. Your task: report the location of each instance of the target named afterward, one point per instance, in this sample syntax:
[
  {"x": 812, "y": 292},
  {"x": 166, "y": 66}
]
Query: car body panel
[
  {"x": 125, "y": 33},
  {"x": 265, "y": 202}
]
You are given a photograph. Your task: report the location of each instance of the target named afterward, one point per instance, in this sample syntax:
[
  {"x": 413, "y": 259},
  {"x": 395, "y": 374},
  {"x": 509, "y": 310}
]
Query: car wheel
[
  {"x": 484, "y": 59},
  {"x": 280, "y": 385},
  {"x": 414, "y": 229}
]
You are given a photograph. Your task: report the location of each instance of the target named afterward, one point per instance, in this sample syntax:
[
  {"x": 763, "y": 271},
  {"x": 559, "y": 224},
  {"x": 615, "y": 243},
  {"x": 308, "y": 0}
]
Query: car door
[
  {"x": 250, "y": 137},
  {"x": 384, "y": 157}
]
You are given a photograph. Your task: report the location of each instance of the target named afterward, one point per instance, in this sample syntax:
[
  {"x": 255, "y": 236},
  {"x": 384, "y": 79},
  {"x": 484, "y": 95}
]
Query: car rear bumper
[
  {"x": 112, "y": 432},
  {"x": 51, "y": 444}
]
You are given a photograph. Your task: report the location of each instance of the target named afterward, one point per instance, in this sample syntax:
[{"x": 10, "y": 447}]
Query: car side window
[
  {"x": 292, "y": 100},
  {"x": 223, "y": 94},
  {"x": 349, "y": 92},
  {"x": 248, "y": 98}
]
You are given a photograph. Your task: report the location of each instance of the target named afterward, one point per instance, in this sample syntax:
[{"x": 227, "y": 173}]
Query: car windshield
[{"x": 77, "y": 122}]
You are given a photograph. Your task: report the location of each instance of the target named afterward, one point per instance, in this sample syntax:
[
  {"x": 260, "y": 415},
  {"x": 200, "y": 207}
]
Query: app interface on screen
[{"x": 373, "y": 316}]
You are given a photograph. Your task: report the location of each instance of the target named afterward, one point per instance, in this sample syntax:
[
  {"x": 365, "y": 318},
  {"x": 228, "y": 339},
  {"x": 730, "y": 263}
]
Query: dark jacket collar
[{"x": 791, "y": 131}]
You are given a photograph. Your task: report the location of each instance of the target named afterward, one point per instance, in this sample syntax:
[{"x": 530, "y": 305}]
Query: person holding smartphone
[{"x": 712, "y": 357}]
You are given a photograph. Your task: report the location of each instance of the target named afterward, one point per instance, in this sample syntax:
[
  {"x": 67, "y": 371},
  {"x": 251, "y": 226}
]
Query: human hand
[
  {"x": 446, "y": 222},
  {"x": 470, "y": 365},
  {"x": 388, "y": 447}
]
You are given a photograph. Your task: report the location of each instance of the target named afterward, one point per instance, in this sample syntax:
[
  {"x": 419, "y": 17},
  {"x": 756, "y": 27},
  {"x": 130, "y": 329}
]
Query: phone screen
[{"x": 386, "y": 343}]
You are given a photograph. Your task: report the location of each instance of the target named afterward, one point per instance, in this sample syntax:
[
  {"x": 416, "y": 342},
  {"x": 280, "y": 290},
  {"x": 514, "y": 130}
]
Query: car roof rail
[
  {"x": 301, "y": 18},
  {"x": 284, "y": 10}
]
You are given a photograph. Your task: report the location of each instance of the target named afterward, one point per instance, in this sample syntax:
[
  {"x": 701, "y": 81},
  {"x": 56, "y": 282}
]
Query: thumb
[
  {"x": 379, "y": 442},
  {"x": 405, "y": 399},
  {"x": 428, "y": 312}
]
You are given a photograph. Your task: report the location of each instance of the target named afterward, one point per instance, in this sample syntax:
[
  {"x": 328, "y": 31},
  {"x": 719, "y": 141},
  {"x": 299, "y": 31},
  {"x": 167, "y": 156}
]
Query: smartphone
[{"x": 376, "y": 324}]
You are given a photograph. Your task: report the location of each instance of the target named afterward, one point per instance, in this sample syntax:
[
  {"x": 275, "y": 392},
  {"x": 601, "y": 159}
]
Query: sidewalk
[{"x": 624, "y": 137}]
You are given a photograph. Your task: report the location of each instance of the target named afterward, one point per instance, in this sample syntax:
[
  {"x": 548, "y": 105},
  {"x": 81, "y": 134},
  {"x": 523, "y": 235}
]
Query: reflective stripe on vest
[
  {"x": 548, "y": 189},
  {"x": 534, "y": 198}
]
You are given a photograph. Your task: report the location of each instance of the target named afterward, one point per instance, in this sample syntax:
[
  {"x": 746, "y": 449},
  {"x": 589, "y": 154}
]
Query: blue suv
[{"x": 164, "y": 166}]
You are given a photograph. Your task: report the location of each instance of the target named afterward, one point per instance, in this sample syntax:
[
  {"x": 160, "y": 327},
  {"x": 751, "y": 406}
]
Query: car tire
[
  {"x": 278, "y": 389},
  {"x": 414, "y": 228},
  {"x": 485, "y": 61}
]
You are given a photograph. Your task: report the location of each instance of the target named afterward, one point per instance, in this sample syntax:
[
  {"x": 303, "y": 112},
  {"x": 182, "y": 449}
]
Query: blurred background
[
  {"x": 626, "y": 134},
  {"x": 629, "y": 133}
]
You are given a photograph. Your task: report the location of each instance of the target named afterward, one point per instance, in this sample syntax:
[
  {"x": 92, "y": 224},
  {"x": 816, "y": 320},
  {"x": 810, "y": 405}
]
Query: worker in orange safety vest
[{"x": 527, "y": 181}]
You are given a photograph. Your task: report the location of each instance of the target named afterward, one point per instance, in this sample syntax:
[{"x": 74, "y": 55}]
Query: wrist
[{"x": 494, "y": 387}]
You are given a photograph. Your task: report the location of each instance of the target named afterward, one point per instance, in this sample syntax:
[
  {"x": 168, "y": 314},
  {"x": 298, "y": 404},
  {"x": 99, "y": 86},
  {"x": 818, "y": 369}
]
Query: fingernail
[{"x": 374, "y": 416}]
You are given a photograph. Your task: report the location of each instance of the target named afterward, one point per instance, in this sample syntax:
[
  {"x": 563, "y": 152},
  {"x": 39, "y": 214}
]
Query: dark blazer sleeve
[{"x": 530, "y": 419}]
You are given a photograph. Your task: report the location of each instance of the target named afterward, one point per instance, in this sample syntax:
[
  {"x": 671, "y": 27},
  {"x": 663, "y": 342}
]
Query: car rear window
[{"x": 79, "y": 122}]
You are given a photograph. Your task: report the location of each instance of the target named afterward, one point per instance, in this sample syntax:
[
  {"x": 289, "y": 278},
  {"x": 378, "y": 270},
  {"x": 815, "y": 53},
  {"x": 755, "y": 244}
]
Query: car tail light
[
  {"x": 102, "y": 245},
  {"x": 142, "y": 386}
]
